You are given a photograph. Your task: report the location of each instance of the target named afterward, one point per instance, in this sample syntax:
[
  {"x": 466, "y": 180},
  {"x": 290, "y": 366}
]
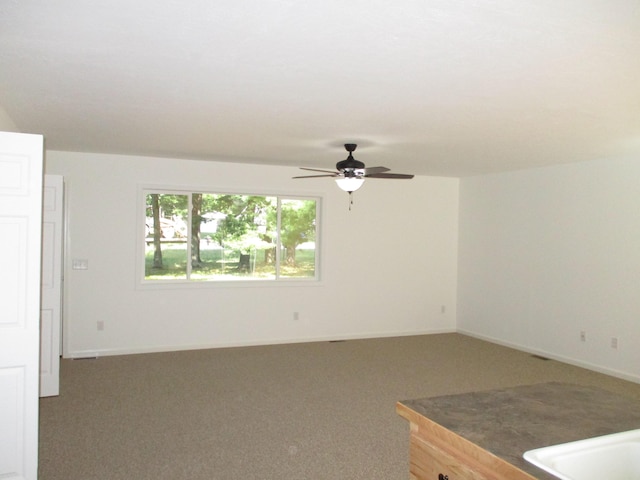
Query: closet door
[
  {"x": 20, "y": 246},
  {"x": 51, "y": 284}
]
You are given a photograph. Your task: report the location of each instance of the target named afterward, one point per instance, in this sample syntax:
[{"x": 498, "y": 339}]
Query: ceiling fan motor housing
[{"x": 350, "y": 167}]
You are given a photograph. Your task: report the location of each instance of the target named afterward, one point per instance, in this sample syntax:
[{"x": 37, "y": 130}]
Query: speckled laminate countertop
[{"x": 508, "y": 422}]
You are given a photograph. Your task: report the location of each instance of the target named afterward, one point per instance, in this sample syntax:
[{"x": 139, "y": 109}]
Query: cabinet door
[{"x": 429, "y": 462}]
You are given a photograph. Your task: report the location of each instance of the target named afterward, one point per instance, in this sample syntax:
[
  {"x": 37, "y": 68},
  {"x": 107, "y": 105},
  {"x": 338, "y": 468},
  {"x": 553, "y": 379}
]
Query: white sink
[{"x": 611, "y": 457}]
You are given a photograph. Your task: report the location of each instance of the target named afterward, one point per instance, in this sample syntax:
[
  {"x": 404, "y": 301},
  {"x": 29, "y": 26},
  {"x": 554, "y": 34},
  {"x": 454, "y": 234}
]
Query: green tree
[
  {"x": 297, "y": 225},
  {"x": 163, "y": 207},
  {"x": 243, "y": 215}
]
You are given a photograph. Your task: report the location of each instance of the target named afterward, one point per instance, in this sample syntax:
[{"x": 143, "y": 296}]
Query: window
[{"x": 225, "y": 237}]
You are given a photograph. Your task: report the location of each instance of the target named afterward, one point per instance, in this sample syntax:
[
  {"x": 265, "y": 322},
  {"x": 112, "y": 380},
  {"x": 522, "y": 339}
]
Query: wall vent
[{"x": 540, "y": 357}]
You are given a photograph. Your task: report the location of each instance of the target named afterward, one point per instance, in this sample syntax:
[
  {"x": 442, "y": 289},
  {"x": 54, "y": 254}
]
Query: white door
[
  {"x": 51, "y": 308},
  {"x": 20, "y": 246}
]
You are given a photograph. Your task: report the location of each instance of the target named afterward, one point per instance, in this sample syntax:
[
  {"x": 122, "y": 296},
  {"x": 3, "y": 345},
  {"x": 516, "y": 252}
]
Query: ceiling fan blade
[
  {"x": 317, "y": 176},
  {"x": 318, "y": 170},
  {"x": 373, "y": 170},
  {"x": 390, "y": 175}
]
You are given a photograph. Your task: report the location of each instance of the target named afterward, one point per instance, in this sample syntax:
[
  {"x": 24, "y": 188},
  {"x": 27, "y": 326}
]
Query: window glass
[
  {"x": 231, "y": 237},
  {"x": 166, "y": 236},
  {"x": 298, "y": 238},
  {"x": 212, "y": 236}
]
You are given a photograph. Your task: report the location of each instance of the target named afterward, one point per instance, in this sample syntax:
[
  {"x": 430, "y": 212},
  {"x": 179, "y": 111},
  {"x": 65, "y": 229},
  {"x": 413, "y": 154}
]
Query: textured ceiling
[{"x": 445, "y": 87}]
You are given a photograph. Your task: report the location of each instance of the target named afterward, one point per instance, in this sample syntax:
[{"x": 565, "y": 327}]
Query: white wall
[
  {"x": 550, "y": 252},
  {"x": 389, "y": 265},
  {"x": 6, "y": 122}
]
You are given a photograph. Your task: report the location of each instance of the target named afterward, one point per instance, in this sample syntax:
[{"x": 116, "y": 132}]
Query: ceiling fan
[{"x": 351, "y": 173}]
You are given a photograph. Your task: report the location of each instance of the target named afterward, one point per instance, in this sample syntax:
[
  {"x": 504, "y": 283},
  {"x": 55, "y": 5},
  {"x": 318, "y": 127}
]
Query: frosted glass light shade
[{"x": 349, "y": 184}]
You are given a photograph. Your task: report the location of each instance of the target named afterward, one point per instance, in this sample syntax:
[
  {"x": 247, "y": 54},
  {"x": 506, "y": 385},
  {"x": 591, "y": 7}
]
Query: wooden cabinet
[
  {"x": 436, "y": 453},
  {"x": 482, "y": 435},
  {"x": 429, "y": 461}
]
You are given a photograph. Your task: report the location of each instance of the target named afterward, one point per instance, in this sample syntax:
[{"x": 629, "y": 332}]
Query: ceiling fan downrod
[{"x": 350, "y": 164}]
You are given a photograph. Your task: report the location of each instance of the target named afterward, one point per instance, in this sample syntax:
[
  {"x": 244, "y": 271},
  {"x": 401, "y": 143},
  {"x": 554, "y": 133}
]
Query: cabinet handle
[{"x": 443, "y": 477}]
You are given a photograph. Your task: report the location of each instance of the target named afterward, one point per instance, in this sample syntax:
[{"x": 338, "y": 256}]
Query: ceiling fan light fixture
[{"x": 349, "y": 184}]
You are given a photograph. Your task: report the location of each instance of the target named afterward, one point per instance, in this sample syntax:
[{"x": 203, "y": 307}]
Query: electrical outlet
[
  {"x": 614, "y": 342},
  {"x": 79, "y": 264},
  {"x": 100, "y": 325},
  {"x": 583, "y": 336},
  {"x": 296, "y": 316}
]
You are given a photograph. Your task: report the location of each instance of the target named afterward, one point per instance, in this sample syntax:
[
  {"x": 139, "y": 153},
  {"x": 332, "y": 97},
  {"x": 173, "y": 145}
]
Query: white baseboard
[
  {"x": 571, "y": 361},
  {"x": 249, "y": 343}
]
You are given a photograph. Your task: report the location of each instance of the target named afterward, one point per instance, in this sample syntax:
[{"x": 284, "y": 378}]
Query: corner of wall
[{"x": 6, "y": 122}]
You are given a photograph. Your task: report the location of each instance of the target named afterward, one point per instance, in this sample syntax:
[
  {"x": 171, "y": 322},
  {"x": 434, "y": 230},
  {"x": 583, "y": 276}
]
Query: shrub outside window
[{"x": 228, "y": 237}]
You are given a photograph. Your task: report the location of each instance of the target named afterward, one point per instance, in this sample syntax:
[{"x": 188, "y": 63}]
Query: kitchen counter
[{"x": 505, "y": 423}]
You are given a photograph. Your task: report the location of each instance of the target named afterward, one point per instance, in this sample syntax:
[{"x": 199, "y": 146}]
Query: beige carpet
[{"x": 316, "y": 411}]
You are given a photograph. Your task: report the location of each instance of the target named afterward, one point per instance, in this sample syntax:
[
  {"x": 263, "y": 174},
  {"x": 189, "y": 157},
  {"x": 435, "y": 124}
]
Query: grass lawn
[{"x": 219, "y": 264}]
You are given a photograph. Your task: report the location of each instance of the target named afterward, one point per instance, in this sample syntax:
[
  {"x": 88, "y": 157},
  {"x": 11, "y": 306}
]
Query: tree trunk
[
  {"x": 269, "y": 253},
  {"x": 196, "y": 211},
  {"x": 157, "y": 231},
  {"x": 291, "y": 255}
]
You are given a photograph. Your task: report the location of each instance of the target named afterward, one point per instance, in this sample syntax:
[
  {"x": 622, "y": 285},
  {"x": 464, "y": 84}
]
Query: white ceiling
[{"x": 433, "y": 87}]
